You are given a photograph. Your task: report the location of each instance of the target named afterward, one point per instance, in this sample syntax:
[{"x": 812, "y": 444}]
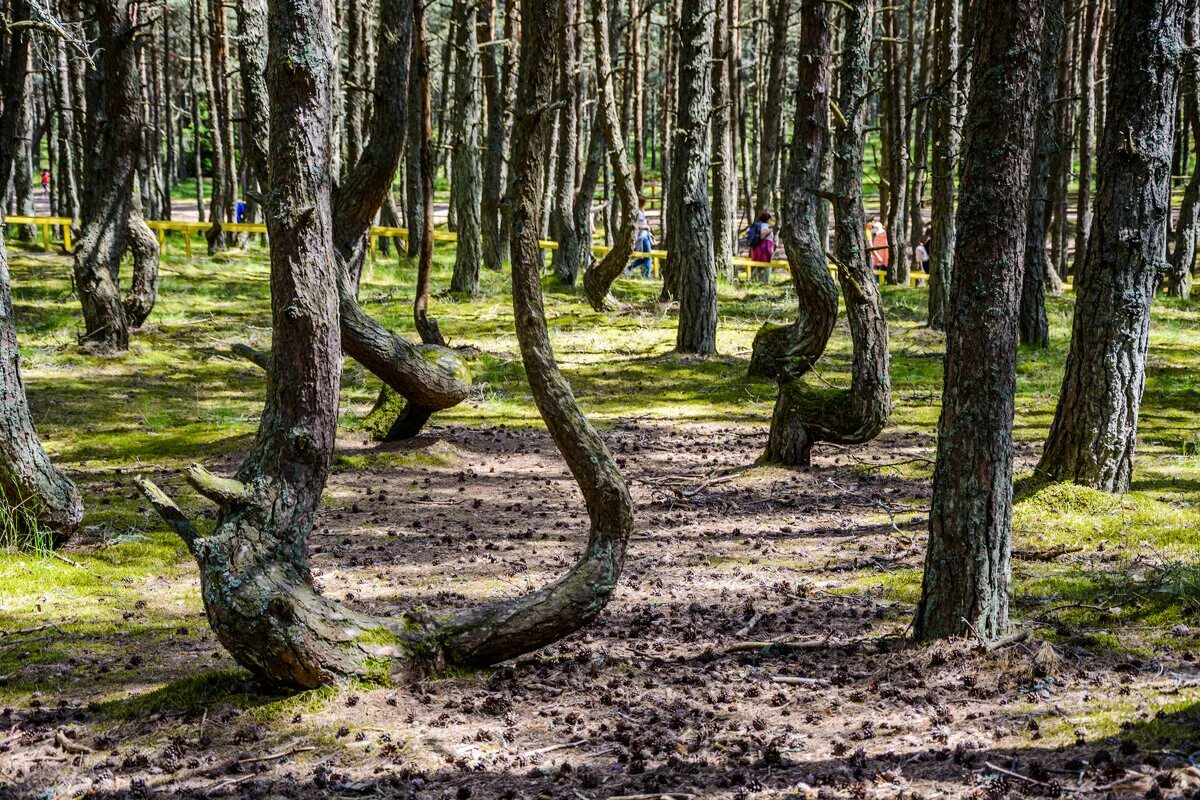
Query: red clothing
[{"x": 880, "y": 257}]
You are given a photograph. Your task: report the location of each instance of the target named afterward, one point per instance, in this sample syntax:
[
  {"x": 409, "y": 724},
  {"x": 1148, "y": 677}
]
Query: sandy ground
[{"x": 649, "y": 701}]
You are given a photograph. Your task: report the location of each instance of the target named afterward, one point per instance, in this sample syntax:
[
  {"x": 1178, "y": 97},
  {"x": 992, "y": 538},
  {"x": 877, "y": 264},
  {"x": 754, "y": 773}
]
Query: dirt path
[{"x": 650, "y": 700}]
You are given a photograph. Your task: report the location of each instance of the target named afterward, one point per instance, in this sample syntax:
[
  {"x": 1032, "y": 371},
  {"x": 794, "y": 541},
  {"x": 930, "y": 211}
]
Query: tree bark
[
  {"x": 766, "y": 194},
  {"x": 255, "y": 576},
  {"x": 495, "y": 244},
  {"x": 1183, "y": 253},
  {"x": 36, "y": 496},
  {"x": 968, "y": 560},
  {"x": 252, "y": 58},
  {"x": 566, "y": 258},
  {"x": 1087, "y": 127},
  {"x": 896, "y": 125},
  {"x": 600, "y": 275},
  {"x": 115, "y": 144},
  {"x": 723, "y": 164},
  {"x": 945, "y": 156},
  {"x": 466, "y": 178},
  {"x": 1094, "y": 433},
  {"x": 1033, "y": 327},
  {"x": 805, "y": 415},
  {"x": 788, "y": 352},
  {"x": 421, "y": 171},
  {"x": 689, "y": 233}
]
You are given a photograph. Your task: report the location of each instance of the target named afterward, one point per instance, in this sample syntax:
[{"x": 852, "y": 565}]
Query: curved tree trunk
[
  {"x": 689, "y": 232},
  {"x": 36, "y": 495},
  {"x": 1033, "y": 326},
  {"x": 429, "y": 377},
  {"x": 805, "y": 415},
  {"x": 1094, "y": 433},
  {"x": 787, "y": 352},
  {"x": 1183, "y": 254},
  {"x": 114, "y": 143},
  {"x": 255, "y": 577},
  {"x": 143, "y": 292},
  {"x": 968, "y": 560},
  {"x": 600, "y": 276},
  {"x": 466, "y": 176}
]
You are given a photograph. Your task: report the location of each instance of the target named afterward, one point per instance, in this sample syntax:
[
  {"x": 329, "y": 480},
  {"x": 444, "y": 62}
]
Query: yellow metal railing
[{"x": 187, "y": 227}]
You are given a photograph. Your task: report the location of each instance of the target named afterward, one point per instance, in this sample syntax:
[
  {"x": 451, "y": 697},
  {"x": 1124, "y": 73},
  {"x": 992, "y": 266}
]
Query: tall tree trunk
[
  {"x": 945, "y": 157},
  {"x": 601, "y": 274},
  {"x": 766, "y": 193},
  {"x": 896, "y": 126},
  {"x": 22, "y": 170},
  {"x": 221, "y": 203},
  {"x": 1183, "y": 253},
  {"x": 68, "y": 135},
  {"x": 1033, "y": 327},
  {"x": 787, "y": 352},
  {"x": 689, "y": 233},
  {"x": 495, "y": 246},
  {"x": 562, "y": 223},
  {"x": 467, "y": 178},
  {"x": 968, "y": 560},
  {"x": 1087, "y": 127},
  {"x": 723, "y": 164},
  {"x": 805, "y": 415},
  {"x": 421, "y": 171},
  {"x": 255, "y": 577},
  {"x": 669, "y": 121},
  {"x": 37, "y": 497},
  {"x": 921, "y": 124},
  {"x": 196, "y": 82},
  {"x": 1094, "y": 432}
]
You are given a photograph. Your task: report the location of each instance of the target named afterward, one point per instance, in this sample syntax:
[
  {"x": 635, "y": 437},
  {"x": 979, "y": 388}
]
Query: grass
[{"x": 178, "y": 396}]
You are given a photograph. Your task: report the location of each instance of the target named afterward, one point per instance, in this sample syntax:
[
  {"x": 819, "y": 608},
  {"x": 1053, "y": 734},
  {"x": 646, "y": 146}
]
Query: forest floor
[{"x": 111, "y": 684}]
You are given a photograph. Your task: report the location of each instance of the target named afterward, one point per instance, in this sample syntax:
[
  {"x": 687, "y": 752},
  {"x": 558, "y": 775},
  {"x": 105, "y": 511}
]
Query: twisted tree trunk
[
  {"x": 787, "y": 352},
  {"x": 805, "y": 415},
  {"x": 115, "y": 145},
  {"x": 1094, "y": 433},
  {"x": 599, "y": 278},
  {"x": 968, "y": 560},
  {"x": 254, "y": 572}
]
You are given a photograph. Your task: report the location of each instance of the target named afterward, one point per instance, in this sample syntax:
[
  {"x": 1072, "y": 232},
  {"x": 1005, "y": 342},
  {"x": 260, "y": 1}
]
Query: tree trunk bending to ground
[
  {"x": 601, "y": 274},
  {"x": 787, "y": 352},
  {"x": 35, "y": 496},
  {"x": 968, "y": 560},
  {"x": 255, "y": 577},
  {"x": 1094, "y": 432},
  {"x": 429, "y": 377},
  {"x": 805, "y": 415},
  {"x": 110, "y": 225}
]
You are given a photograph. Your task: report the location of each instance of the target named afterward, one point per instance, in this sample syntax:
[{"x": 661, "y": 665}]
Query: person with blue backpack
[{"x": 761, "y": 239}]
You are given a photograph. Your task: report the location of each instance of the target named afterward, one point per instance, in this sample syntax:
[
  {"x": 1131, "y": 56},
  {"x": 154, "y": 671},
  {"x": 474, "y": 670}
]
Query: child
[{"x": 761, "y": 239}]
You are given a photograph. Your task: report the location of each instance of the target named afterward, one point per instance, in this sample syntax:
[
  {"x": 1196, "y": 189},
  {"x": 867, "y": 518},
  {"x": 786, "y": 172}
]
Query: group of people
[{"x": 760, "y": 242}]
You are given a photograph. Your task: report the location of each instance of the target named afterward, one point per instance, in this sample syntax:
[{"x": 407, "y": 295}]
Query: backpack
[{"x": 754, "y": 235}]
